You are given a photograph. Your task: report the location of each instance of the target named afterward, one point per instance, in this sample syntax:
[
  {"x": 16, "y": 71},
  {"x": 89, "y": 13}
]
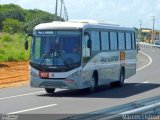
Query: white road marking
[
  {"x": 21, "y": 95},
  {"x": 142, "y": 83},
  {"x": 31, "y": 109},
  {"x": 150, "y": 61}
]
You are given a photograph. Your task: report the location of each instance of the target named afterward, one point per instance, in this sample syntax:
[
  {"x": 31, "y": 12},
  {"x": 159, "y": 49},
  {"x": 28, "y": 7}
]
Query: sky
[{"x": 126, "y": 13}]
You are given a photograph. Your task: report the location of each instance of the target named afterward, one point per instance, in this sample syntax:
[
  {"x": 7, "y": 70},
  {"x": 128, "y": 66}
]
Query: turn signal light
[{"x": 69, "y": 81}]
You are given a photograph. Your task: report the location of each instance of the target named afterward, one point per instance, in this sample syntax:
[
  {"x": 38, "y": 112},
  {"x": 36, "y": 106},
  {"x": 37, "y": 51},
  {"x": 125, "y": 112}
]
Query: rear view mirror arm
[{"x": 26, "y": 40}]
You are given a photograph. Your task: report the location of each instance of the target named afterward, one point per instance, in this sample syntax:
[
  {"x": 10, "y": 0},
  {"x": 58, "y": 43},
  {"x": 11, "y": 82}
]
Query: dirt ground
[{"x": 14, "y": 74}]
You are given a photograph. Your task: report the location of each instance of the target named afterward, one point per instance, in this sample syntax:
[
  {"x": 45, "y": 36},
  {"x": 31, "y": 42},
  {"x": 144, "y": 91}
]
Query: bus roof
[{"x": 79, "y": 24}]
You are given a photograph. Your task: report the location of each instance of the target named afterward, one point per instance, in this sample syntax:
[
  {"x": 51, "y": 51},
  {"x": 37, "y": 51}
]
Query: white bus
[{"x": 81, "y": 55}]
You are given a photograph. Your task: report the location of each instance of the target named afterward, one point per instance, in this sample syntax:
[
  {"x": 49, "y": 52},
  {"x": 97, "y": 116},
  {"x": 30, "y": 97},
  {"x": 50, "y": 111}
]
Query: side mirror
[
  {"x": 89, "y": 43},
  {"x": 26, "y": 45},
  {"x": 26, "y": 41}
]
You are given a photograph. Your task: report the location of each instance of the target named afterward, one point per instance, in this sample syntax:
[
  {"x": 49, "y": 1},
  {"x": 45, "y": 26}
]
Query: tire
[
  {"x": 120, "y": 83},
  {"x": 50, "y": 90}
]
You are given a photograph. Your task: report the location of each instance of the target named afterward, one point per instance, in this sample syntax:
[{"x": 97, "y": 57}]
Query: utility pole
[
  {"x": 61, "y": 8},
  {"x": 153, "y": 28},
  {"x": 65, "y": 15},
  {"x": 56, "y": 7},
  {"x": 140, "y": 30}
]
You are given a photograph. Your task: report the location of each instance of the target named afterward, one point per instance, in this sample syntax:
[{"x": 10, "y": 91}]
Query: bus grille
[{"x": 52, "y": 84}]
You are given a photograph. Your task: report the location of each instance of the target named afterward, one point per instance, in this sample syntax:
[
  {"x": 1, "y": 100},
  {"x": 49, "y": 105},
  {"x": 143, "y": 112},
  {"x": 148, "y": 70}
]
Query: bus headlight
[
  {"x": 76, "y": 74},
  {"x": 33, "y": 74},
  {"x": 72, "y": 79}
]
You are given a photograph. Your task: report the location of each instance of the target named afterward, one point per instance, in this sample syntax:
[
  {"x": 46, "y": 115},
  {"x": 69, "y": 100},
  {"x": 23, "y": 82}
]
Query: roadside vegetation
[
  {"x": 15, "y": 22},
  {"x": 12, "y": 47}
]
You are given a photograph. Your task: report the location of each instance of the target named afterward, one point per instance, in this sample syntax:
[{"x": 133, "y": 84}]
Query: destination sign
[{"x": 45, "y": 32}]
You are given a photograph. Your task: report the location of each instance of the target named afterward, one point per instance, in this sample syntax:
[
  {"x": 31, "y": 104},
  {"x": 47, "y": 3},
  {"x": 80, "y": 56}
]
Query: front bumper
[{"x": 54, "y": 83}]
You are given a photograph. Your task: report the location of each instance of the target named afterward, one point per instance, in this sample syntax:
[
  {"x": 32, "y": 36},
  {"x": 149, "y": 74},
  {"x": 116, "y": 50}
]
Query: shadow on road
[{"x": 106, "y": 91}]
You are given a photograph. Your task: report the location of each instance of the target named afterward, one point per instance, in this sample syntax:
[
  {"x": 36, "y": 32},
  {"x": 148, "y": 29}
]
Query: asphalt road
[{"x": 145, "y": 84}]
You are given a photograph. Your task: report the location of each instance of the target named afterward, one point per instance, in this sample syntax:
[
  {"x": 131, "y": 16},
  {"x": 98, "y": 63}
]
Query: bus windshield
[{"x": 60, "y": 49}]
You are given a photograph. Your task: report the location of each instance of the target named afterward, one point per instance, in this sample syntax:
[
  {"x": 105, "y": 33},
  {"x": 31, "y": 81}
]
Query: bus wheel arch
[
  {"x": 121, "y": 79},
  {"x": 120, "y": 83},
  {"x": 123, "y": 70},
  {"x": 94, "y": 82},
  {"x": 96, "y": 77}
]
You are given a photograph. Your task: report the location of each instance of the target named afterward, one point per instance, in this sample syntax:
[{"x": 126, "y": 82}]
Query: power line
[
  {"x": 65, "y": 11},
  {"x": 61, "y": 8}
]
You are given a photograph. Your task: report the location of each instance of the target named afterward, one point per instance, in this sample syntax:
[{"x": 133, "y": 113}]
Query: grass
[{"x": 12, "y": 48}]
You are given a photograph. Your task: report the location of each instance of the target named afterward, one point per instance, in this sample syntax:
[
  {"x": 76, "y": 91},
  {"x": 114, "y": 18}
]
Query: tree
[
  {"x": 0, "y": 22},
  {"x": 12, "y": 26},
  {"x": 29, "y": 26},
  {"x": 14, "y": 14},
  {"x": 30, "y": 18}
]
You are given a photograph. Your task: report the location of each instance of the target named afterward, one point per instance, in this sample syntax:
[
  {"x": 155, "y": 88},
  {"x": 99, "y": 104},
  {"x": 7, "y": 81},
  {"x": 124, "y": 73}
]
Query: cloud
[
  {"x": 158, "y": 5},
  {"x": 123, "y": 12}
]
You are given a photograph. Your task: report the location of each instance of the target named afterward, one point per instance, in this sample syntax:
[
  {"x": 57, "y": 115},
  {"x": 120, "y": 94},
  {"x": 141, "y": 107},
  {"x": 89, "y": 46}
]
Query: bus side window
[
  {"x": 95, "y": 37},
  {"x": 128, "y": 41},
  {"x": 133, "y": 41},
  {"x": 113, "y": 40},
  {"x": 105, "y": 40},
  {"x": 121, "y": 41},
  {"x": 86, "y": 50}
]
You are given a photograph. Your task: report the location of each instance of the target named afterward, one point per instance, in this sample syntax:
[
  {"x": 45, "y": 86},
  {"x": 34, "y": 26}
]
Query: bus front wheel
[
  {"x": 94, "y": 83},
  {"x": 50, "y": 90}
]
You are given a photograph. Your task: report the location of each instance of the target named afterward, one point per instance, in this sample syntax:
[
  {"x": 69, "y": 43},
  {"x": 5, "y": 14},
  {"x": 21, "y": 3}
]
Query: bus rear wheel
[
  {"x": 120, "y": 83},
  {"x": 50, "y": 90}
]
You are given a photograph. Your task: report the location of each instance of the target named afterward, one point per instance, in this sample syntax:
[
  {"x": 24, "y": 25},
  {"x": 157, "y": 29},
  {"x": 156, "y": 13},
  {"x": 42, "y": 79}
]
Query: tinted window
[
  {"x": 86, "y": 50},
  {"x": 128, "y": 41},
  {"x": 113, "y": 40},
  {"x": 104, "y": 40},
  {"x": 95, "y": 41},
  {"x": 37, "y": 50},
  {"x": 121, "y": 41},
  {"x": 133, "y": 41},
  {"x": 49, "y": 50}
]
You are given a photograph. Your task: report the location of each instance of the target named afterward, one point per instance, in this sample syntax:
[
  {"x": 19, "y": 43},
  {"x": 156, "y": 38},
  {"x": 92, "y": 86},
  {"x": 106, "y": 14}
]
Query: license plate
[{"x": 44, "y": 74}]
